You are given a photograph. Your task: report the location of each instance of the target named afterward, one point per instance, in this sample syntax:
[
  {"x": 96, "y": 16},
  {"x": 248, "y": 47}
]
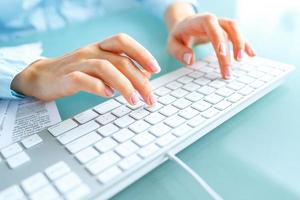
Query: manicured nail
[
  {"x": 227, "y": 73},
  {"x": 154, "y": 66},
  {"x": 240, "y": 55},
  {"x": 253, "y": 52},
  {"x": 187, "y": 58},
  {"x": 222, "y": 49},
  {"x": 134, "y": 99},
  {"x": 108, "y": 91},
  {"x": 151, "y": 99}
]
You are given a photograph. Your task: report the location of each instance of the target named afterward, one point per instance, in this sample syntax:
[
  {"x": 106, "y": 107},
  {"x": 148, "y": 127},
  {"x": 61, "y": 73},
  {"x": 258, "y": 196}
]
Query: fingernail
[
  {"x": 222, "y": 49},
  {"x": 109, "y": 92},
  {"x": 240, "y": 55},
  {"x": 154, "y": 66},
  {"x": 227, "y": 73},
  {"x": 187, "y": 58},
  {"x": 134, "y": 99},
  {"x": 253, "y": 52},
  {"x": 151, "y": 99}
]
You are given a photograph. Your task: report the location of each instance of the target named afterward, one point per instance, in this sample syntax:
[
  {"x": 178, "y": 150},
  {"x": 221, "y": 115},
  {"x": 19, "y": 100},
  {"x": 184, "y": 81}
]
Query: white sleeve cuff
[{"x": 158, "y": 7}]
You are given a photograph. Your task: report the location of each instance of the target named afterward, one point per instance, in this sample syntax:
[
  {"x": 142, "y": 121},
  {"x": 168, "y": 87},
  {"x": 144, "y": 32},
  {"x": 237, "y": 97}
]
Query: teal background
[{"x": 254, "y": 155}]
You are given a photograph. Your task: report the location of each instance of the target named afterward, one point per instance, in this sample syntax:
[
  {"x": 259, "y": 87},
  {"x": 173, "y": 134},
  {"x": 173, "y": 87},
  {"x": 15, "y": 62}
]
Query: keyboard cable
[{"x": 199, "y": 180}]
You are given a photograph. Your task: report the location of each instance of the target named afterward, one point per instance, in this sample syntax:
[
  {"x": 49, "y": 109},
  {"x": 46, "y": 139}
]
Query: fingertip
[{"x": 187, "y": 58}]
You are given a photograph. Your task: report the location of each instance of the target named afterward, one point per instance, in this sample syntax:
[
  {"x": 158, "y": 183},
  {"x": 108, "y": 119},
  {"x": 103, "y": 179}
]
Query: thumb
[{"x": 180, "y": 51}]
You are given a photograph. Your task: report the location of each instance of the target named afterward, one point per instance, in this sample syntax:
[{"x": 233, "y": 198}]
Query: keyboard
[{"x": 101, "y": 151}]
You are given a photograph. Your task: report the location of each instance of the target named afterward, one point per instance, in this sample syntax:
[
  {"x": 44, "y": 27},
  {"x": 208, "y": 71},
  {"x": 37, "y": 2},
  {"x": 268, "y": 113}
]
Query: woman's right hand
[{"x": 98, "y": 68}]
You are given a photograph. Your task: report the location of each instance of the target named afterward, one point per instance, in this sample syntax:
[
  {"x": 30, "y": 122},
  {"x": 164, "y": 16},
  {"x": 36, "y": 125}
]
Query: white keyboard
[{"x": 117, "y": 143}]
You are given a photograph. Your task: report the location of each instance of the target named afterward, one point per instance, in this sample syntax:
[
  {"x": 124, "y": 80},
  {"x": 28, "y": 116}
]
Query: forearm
[{"x": 177, "y": 12}]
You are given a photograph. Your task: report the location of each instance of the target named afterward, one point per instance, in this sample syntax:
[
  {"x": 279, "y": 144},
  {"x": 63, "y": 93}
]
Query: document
[{"x": 21, "y": 118}]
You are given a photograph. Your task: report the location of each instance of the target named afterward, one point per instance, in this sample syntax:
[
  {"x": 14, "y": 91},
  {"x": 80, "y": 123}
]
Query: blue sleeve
[
  {"x": 158, "y": 7},
  {"x": 12, "y": 61}
]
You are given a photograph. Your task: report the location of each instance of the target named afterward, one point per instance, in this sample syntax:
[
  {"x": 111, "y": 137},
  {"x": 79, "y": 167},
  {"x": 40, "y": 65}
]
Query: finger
[
  {"x": 123, "y": 43},
  {"x": 218, "y": 38},
  {"x": 249, "y": 50},
  {"x": 180, "y": 51},
  {"x": 236, "y": 38},
  {"x": 111, "y": 76},
  {"x": 78, "y": 81}
]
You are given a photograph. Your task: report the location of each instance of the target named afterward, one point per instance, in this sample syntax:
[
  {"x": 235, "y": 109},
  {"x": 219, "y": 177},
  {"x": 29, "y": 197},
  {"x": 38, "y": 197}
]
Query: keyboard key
[
  {"x": 123, "y": 135},
  {"x": 57, "y": 170},
  {"x": 83, "y": 142},
  {"x": 245, "y": 79},
  {"x": 102, "y": 162},
  {"x": 159, "y": 129},
  {"x": 127, "y": 148},
  {"x": 154, "y": 118},
  {"x": 210, "y": 113},
  {"x": 107, "y": 130},
  {"x": 106, "y": 118},
  {"x": 11, "y": 150},
  {"x": 121, "y": 111},
  {"x": 256, "y": 74},
  {"x": 17, "y": 160},
  {"x": 143, "y": 139},
  {"x": 77, "y": 132},
  {"x": 235, "y": 85},
  {"x": 154, "y": 108},
  {"x": 139, "y": 114},
  {"x": 46, "y": 193},
  {"x": 174, "y": 85},
  {"x": 85, "y": 116},
  {"x": 196, "y": 74},
  {"x": 121, "y": 100},
  {"x": 106, "y": 144},
  {"x": 78, "y": 192},
  {"x": 109, "y": 174},
  {"x": 246, "y": 90},
  {"x": 235, "y": 98},
  {"x": 174, "y": 121},
  {"x": 217, "y": 84},
  {"x": 196, "y": 121},
  {"x": 86, "y": 155},
  {"x": 206, "y": 90},
  {"x": 62, "y": 127},
  {"x": 139, "y": 104},
  {"x": 166, "y": 99},
  {"x": 129, "y": 162},
  {"x": 148, "y": 150},
  {"x": 139, "y": 126},
  {"x": 185, "y": 79},
  {"x": 124, "y": 121},
  {"x": 168, "y": 110},
  {"x": 179, "y": 93},
  {"x": 194, "y": 96},
  {"x": 202, "y": 81},
  {"x": 67, "y": 182},
  {"x": 257, "y": 84},
  {"x": 213, "y": 98},
  {"x": 34, "y": 182},
  {"x": 165, "y": 140},
  {"x": 181, "y": 130},
  {"x": 162, "y": 91},
  {"x": 201, "y": 105},
  {"x": 12, "y": 193},
  {"x": 223, "y": 105},
  {"x": 31, "y": 141},
  {"x": 182, "y": 103},
  {"x": 191, "y": 87},
  {"x": 225, "y": 92},
  {"x": 266, "y": 78},
  {"x": 107, "y": 106},
  {"x": 188, "y": 113}
]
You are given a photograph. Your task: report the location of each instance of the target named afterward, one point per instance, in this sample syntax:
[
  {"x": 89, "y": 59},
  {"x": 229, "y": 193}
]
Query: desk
[{"x": 254, "y": 155}]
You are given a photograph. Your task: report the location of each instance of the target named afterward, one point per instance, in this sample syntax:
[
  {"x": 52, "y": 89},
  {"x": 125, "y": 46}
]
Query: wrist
[{"x": 177, "y": 12}]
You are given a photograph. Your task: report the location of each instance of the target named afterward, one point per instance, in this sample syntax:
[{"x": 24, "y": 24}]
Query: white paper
[{"x": 22, "y": 118}]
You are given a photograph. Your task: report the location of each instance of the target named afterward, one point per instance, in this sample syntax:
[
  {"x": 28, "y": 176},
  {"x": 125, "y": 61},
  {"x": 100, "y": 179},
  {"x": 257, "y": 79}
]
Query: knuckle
[
  {"x": 231, "y": 23},
  {"x": 122, "y": 38},
  {"x": 82, "y": 52},
  {"x": 75, "y": 77},
  {"x": 209, "y": 17},
  {"x": 123, "y": 61}
]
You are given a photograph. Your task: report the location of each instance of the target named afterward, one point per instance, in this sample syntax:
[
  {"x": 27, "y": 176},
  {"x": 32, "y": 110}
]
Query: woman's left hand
[{"x": 202, "y": 28}]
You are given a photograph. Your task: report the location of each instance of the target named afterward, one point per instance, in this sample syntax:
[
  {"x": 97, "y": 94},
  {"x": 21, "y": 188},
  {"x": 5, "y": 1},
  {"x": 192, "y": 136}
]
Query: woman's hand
[
  {"x": 187, "y": 29},
  {"x": 98, "y": 68}
]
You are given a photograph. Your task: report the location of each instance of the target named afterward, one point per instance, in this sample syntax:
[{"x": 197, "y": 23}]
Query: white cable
[{"x": 202, "y": 183}]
